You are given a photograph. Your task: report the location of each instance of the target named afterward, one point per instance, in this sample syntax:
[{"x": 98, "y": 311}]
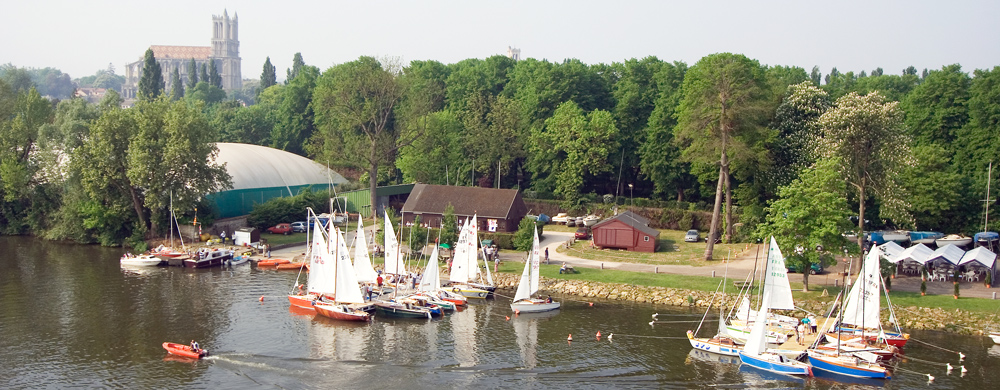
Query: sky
[{"x": 82, "y": 37}]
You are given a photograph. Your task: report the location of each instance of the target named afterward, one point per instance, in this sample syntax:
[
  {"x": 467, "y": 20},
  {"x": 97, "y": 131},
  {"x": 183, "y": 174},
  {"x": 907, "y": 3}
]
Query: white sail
[
  {"x": 319, "y": 255},
  {"x": 535, "y": 261},
  {"x": 489, "y": 276},
  {"x": 473, "y": 252},
  {"x": 347, "y": 289},
  {"x": 460, "y": 260},
  {"x": 362, "y": 263},
  {"x": 863, "y": 303},
  {"x": 776, "y": 280},
  {"x": 758, "y": 333},
  {"x": 431, "y": 281},
  {"x": 524, "y": 285},
  {"x": 392, "y": 263}
]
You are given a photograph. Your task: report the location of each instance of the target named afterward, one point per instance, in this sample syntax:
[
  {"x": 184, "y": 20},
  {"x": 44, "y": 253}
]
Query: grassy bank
[{"x": 670, "y": 249}]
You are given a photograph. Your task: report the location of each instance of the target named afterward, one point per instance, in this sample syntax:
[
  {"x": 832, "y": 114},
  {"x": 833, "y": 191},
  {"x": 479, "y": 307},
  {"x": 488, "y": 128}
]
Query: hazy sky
[{"x": 81, "y": 37}]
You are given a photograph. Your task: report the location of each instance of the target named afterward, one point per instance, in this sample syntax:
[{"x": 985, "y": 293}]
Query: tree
[
  {"x": 354, "y": 106},
  {"x": 204, "y": 74},
  {"x": 267, "y": 77},
  {"x": 660, "y": 156},
  {"x": 723, "y": 107},
  {"x": 214, "y": 78},
  {"x": 524, "y": 238},
  {"x": 936, "y": 109},
  {"x": 795, "y": 121},
  {"x": 209, "y": 94},
  {"x": 866, "y": 134},
  {"x": 815, "y": 76},
  {"x": 809, "y": 215},
  {"x": 572, "y": 147},
  {"x": 449, "y": 226},
  {"x": 294, "y": 122},
  {"x": 176, "y": 87},
  {"x": 192, "y": 71},
  {"x": 933, "y": 186},
  {"x": 440, "y": 150},
  {"x": 297, "y": 64},
  {"x": 151, "y": 82}
]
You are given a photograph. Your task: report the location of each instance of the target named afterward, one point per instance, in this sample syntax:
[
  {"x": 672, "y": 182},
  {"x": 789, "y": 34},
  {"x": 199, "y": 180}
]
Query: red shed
[{"x": 627, "y": 231}]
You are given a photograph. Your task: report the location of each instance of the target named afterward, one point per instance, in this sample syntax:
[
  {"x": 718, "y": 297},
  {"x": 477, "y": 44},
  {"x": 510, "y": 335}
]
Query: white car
[{"x": 691, "y": 236}]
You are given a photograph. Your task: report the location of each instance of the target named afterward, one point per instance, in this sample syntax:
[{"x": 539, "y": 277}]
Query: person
[
  {"x": 812, "y": 323},
  {"x": 268, "y": 248},
  {"x": 808, "y": 329},
  {"x": 379, "y": 280},
  {"x": 223, "y": 236},
  {"x": 548, "y": 299},
  {"x": 800, "y": 333},
  {"x": 496, "y": 264},
  {"x": 194, "y": 347},
  {"x": 563, "y": 268},
  {"x": 546, "y": 255}
]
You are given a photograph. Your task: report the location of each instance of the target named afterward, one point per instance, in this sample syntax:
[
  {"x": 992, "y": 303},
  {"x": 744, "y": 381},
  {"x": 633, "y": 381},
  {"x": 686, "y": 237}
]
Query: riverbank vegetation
[{"x": 637, "y": 132}]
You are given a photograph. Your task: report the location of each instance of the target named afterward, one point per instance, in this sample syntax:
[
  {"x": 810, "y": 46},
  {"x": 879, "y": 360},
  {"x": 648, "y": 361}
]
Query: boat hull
[
  {"x": 183, "y": 350},
  {"x": 995, "y": 336},
  {"x": 272, "y": 262},
  {"x": 141, "y": 261},
  {"x": 709, "y": 345},
  {"x": 212, "y": 260},
  {"x": 302, "y": 301},
  {"x": 342, "y": 313},
  {"x": 776, "y": 363},
  {"x": 954, "y": 241},
  {"x": 533, "y": 306},
  {"x": 291, "y": 266},
  {"x": 469, "y": 292},
  {"x": 398, "y": 311},
  {"x": 844, "y": 366}
]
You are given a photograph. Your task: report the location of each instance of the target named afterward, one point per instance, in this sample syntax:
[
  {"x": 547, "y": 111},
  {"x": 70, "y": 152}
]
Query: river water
[{"x": 70, "y": 316}]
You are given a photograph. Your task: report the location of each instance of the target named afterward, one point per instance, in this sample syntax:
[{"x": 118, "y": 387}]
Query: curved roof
[{"x": 255, "y": 166}]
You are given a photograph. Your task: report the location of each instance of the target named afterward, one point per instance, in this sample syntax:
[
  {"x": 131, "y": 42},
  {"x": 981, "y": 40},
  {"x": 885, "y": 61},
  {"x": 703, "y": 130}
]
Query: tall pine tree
[
  {"x": 204, "y": 73},
  {"x": 151, "y": 82},
  {"x": 176, "y": 87},
  {"x": 297, "y": 64},
  {"x": 192, "y": 74},
  {"x": 268, "y": 76}
]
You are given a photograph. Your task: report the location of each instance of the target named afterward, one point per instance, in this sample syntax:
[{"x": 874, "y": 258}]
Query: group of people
[{"x": 806, "y": 326}]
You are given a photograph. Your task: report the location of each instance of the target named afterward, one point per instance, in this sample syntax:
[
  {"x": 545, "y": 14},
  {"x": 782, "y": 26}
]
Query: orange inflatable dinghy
[{"x": 184, "y": 350}]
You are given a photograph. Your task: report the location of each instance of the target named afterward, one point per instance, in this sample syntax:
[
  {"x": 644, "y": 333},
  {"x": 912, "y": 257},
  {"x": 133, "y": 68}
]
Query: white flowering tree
[{"x": 867, "y": 134}]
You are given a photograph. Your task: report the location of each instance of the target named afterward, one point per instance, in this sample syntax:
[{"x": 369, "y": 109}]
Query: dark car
[
  {"x": 281, "y": 228},
  {"x": 815, "y": 268},
  {"x": 582, "y": 233}
]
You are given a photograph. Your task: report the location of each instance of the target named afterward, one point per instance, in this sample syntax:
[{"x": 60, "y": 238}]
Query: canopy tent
[
  {"x": 919, "y": 253},
  {"x": 890, "y": 250},
  {"x": 950, "y": 253},
  {"x": 980, "y": 255}
]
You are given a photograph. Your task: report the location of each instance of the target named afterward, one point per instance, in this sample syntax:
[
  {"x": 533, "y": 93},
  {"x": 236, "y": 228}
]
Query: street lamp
[{"x": 630, "y": 193}]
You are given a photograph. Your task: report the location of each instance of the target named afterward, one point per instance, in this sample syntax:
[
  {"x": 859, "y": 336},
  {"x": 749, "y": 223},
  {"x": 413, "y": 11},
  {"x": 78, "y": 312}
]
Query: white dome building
[{"x": 260, "y": 173}]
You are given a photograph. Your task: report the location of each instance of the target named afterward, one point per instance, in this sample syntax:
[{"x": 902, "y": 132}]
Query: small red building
[{"x": 627, "y": 231}]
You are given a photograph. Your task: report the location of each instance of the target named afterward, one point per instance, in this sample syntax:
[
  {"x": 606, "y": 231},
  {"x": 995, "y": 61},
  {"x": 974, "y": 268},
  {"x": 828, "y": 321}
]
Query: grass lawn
[
  {"x": 279, "y": 239},
  {"x": 670, "y": 249}
]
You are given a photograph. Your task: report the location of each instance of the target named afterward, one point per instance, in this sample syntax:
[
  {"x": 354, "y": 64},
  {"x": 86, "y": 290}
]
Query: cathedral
[{"x": 225, "y": 51}]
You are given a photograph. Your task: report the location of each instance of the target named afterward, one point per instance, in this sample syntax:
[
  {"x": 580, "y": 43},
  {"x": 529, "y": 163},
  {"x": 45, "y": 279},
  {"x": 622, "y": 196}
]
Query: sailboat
[
  {"x": 346, "y": 302},
  {"x": 168, "y": 252},
  {"x": 754, "y": 353},
  {"x": 721, "y": 343},
  {"x": 362, "y": 263},
  {"x": 430, "y": 283},
  {"x": 405, "y": 307},
  {"x": 392, "y": 262},
  {"x": 321, "y": 263},
  {"x": 528, "y": 286},
  {"x": 465, "y": 264},
  {"x": 861, "y": 309}
]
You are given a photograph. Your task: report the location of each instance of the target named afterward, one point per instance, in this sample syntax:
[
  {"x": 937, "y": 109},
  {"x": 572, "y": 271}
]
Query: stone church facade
[{"x": 225, "y": 52}]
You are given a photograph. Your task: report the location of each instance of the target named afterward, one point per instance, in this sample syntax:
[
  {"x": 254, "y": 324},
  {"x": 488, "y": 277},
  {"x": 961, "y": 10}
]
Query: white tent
[
  {"x": 919, "y": 253},
  {"x": 890, "y": 250},
  {"x": 949, "y": 253},
  {"x": 979, "y": 255}
]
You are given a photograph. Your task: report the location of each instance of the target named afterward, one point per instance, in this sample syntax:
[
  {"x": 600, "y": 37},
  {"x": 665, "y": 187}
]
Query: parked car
[
  {"x": 815, "y": 268},
  {"x": 692, "y": 236},
  {"x": 281, "y": 228},
  {"x": 298, "y": 227},
  {"x": 582, "y": 233}
]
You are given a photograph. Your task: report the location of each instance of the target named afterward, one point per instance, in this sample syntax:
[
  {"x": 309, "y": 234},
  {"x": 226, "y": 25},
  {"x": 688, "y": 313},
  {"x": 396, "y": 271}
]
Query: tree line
[{"x": 727, "y": 133}]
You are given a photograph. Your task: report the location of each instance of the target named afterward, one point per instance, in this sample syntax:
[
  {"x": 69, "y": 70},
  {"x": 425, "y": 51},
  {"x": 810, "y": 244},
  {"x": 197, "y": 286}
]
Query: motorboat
[
  {"x": 209, "y": 258},
  {"x": 591, "y": 220},
  {"x": 130, "y": 260},
  {"x": 561, "y": 218},
  {"x": 184, "y": 350},
  {"x": 926, "y": 238}
]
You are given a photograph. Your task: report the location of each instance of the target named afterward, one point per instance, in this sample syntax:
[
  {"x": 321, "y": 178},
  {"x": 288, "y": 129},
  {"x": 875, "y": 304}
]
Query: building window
[{"x": 645, "y": 238}]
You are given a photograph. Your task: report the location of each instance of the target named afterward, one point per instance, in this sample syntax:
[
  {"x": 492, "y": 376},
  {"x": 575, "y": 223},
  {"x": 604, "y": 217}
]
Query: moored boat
[
  {"x": 528, "y": 286},
  {"x": 926, "y": 238},
  {"x": 953, "y": 239},
  {"x": 130, "y": 260},
  {"x": 272, "y": 262},
  {"x": 401, "y": 310},
  {"x": 720, "y": 344},
  {"x": 184, "y": 350},
  {"x": 292, "y": 266},
  {"x": 342, "y": 312},
  {"x": 995, "y": 336},
  {"x": 209, "y": 258},
  {"x": 847, "y": 364}
]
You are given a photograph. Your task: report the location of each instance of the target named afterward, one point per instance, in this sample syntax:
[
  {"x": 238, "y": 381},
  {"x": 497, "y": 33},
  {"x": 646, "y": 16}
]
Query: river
[{"x": 70, "y": 316}]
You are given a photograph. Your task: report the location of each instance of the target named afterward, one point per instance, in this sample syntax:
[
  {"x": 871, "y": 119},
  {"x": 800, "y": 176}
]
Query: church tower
[{"x": 226, "y": 50}]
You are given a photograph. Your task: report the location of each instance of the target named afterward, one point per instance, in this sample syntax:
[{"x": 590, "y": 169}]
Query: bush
[
  {"x": 687, "y": 221},
  {"x": 502, "y": 240},
  {"x": 287, "y": 209},
  {"x": 524, "y": 238}
]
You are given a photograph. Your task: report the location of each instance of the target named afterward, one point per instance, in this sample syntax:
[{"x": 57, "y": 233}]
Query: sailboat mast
[{"x": 986, "y": 202}]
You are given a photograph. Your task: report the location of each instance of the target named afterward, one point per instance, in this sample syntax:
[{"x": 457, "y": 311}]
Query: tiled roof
[
  {"x": 486, "y": 202},
  {"x": 196, "y": 52},
  {"x": 634, "y": 220}
]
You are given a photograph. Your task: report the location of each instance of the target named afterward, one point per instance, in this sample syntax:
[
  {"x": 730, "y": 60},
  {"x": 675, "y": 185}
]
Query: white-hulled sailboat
[
  {"x": 346, "y": 302},
  {"x": 362, "y": 263},
  {"x": 464, "y": 264},
  {"x": 528, "y": 286}
]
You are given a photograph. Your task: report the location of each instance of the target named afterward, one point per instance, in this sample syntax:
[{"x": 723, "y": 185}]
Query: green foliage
[
  {"x": 297, "y": 65},
  {"x": 205, "y": 93},
  {"x": 192, "y": 72},
  {"x": 287, "y": 209},
  {"x": 524, "y": 237},
  {"x": 449, "y": 226},
  {"x": 293, "y": 119},
  {"x": 176, "y": 87},
  {"x": 151, "y": 81},
  {"x": 214, "y": 78},
  {"x": 687, "y": 221},
  {"x": 268, "y": 77}
]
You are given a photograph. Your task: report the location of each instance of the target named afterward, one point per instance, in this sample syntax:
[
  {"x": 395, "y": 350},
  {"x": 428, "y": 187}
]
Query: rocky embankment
[{"x": 956, "y": 321}]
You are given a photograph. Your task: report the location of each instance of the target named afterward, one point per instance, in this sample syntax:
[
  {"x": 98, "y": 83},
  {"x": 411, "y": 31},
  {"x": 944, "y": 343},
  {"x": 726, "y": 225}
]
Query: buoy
[
  {"x": 598, "y": 335},
  {"x": 517, "y": 312},
  {"x": 610, "y": 335},
  {"x": 508, "y": 318},
  {"x": 949, "y": 367},
  {"x": 964, "y": 370},
  {"x": 651, "y": 323},
  {"x": 930, "y": 378},
  {"x": 262, "y": 298},
  {"x": 961, "y": 357},
  {"x": 655, "y": 314},
  {"x": 570, "y": 338},
  {"x": 591, "y": 303}
]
